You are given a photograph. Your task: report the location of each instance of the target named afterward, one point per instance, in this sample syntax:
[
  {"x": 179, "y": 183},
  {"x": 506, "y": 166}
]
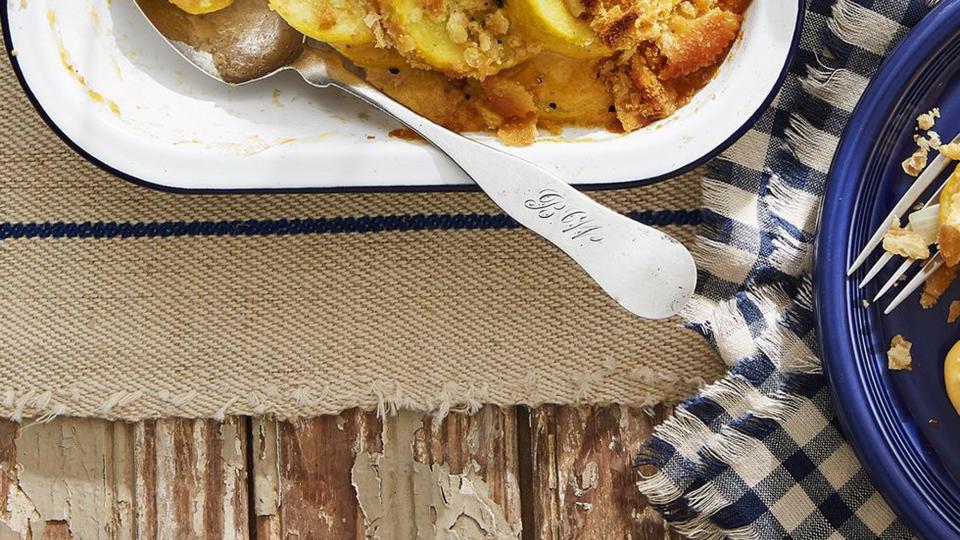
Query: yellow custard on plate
[{"x": 951, "y": 375}]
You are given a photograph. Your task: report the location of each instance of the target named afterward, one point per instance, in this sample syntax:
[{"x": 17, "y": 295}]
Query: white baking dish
[{"x": 107, "y": 83}]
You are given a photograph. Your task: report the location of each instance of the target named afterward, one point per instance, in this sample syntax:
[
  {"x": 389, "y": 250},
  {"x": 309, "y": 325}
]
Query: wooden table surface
[{"x": 543, "y": 473}]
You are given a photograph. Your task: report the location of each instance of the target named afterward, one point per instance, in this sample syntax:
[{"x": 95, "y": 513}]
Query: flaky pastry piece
[
  {"x": 905, "y": 242},
  {"x": 917, "y": 162},
  {"x": 898, "y": 356}
]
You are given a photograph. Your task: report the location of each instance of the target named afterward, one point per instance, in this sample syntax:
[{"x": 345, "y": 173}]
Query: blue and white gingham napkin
[{"x": 759, "y": 454}]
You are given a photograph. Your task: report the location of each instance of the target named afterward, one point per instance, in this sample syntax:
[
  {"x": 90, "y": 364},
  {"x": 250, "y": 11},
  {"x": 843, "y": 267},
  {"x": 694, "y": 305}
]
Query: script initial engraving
[{"x": 575, "y": 223}]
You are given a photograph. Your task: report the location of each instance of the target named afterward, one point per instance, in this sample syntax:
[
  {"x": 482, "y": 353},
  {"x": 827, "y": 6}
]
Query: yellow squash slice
[
  {"x": 551, "y": 22},
  {"x": 949, "y": 236},
  {"x": 461, "y": 38},
  {"x": 337, "y": 22},
  {"x": 566, "y": 90},
  {"x": 200, "y": 7},
  {"x": 371, "y": 56}
]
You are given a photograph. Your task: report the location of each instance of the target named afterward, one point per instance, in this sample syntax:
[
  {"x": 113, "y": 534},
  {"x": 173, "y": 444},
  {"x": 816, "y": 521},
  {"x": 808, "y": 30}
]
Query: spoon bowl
[{"x": 241, "y": 44}]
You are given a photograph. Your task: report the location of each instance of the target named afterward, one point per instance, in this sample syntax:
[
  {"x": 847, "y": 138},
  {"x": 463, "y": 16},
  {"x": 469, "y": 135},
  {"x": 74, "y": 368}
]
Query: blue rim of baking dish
[
  {"x": 791, "y": 55},
  {"x": 868, "y": 408}
]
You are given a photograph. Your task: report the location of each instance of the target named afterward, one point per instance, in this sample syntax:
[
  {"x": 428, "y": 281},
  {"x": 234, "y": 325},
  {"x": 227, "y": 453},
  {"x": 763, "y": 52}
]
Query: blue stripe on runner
[{"x": 282, "y": 227}]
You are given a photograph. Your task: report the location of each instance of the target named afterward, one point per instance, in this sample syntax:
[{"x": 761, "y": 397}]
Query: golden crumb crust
[
  {"x": 692, "y": 44},
  {"x": 954, "y": 312},
  {"x": 936, "y": 285}
]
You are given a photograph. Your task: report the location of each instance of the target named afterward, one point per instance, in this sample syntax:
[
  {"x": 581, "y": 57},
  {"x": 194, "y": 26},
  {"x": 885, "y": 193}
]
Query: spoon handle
[{"x": 646, "y": 271}]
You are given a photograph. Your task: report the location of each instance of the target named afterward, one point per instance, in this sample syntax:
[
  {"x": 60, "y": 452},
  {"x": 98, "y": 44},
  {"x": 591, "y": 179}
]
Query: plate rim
[
  {"x": 709, "y": 155},
  {"x": 855, "y": 408}
]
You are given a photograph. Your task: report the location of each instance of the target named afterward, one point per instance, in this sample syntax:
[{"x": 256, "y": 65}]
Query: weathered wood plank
[
  {"x": 352, "y": 477},
  {"x": 69, "y": 478},
  {"x": 582, "y": 478},
  {"x": 9, "y": 526},
  {"x": 191, "y": 479},
  {"x": 56, "y": 530},
  {"x": 486, "y": 443},
  {"x": 8, "y": 462},
  {"x": 347, "y": 476},
  {"x": 413, "y": 489},
  {"x": 266, "y": 478},
  {"x": 315, "y": 459},
  {"x": 145, "y": 478}
]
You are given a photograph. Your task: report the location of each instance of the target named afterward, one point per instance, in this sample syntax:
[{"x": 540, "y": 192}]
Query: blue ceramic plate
[{"x": 901, "y": 423}]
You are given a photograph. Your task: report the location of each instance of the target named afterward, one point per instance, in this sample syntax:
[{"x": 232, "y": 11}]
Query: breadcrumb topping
[
  {"x": 691, "y": 44},
  {"x": 622, "y": 24}
]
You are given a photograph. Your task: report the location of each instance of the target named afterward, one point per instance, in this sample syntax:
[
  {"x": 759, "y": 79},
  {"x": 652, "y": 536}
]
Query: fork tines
[{"x": 923, "y": 182}]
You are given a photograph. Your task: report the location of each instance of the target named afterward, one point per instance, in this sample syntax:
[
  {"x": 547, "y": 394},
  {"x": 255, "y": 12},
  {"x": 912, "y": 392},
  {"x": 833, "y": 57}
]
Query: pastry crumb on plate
[{"x": 898, "y": 357}]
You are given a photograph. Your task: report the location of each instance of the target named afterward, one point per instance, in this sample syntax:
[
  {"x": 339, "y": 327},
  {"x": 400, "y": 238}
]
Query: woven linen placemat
[{"x": 122, "y": 302}]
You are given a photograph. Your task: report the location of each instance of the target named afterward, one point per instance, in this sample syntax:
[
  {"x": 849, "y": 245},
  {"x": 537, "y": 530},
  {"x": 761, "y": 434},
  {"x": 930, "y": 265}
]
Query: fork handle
[{"x": 646, "y": 271}]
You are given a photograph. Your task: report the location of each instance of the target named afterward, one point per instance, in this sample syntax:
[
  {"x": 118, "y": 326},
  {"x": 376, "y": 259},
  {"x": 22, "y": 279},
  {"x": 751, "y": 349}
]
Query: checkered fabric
[{"x": 760, "y": 454}]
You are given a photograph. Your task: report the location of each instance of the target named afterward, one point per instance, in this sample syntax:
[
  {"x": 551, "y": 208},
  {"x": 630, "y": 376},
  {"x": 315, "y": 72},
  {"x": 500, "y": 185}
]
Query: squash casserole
[{"x": 516, "y": 67}]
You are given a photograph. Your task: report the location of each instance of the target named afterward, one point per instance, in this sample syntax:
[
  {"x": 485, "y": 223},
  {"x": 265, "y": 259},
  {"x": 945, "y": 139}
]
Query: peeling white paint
[
  {"x": 199, "y": 496},
  {"x": 588, "y": 478},
  {"x": 266, "y": 468},
  {"x": 18, "y": 514},
  {"x": 166, "y": 471},
  {"x": 403, "y": 498},
  {"x": 231, "y": 452},
  {"x": 68, "y": 472}
]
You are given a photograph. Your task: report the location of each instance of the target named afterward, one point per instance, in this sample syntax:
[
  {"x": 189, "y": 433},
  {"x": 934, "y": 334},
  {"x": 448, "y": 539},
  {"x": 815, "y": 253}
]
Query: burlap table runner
[{"x": 193, "y": 306}]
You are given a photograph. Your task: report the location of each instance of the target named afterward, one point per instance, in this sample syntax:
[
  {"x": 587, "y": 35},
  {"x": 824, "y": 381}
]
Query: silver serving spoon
[{"x": 646, "y": 271}]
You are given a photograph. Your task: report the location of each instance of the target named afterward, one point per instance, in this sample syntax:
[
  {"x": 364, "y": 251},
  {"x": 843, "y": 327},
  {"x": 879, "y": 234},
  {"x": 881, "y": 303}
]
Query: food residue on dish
[
  {"x": 96, "y": 96},
  {"x": 935, "y": 225},
  {"x": 405, "y": 134}
]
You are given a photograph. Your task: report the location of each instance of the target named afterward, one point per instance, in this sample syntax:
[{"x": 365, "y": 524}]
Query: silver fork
[{"x": 929, "y": 175}]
